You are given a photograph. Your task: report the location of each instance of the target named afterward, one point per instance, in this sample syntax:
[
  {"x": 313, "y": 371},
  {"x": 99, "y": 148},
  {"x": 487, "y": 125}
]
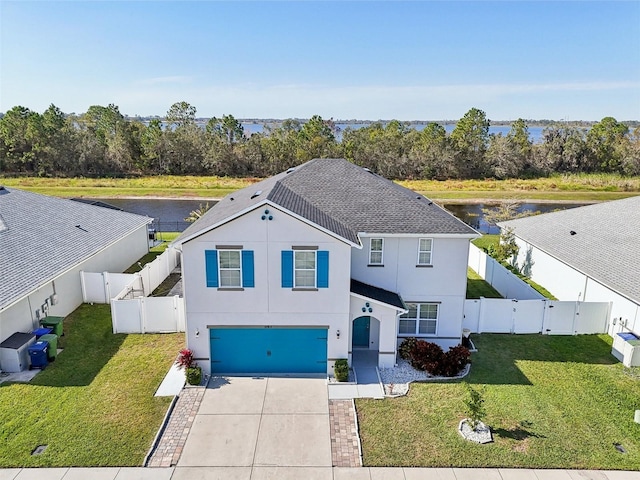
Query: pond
[{"x": 169, "y": 214}]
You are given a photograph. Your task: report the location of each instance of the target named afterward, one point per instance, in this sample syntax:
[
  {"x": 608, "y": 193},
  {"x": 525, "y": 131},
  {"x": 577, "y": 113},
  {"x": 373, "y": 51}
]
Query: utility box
[
  {"x": 14, "y": 355},
  {"x": 38, "y": 355},
  {"x": 626, "y": 348}
]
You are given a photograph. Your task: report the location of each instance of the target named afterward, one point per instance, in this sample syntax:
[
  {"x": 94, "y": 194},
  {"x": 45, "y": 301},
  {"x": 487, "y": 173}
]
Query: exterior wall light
[{"x": 197, "y": 333}]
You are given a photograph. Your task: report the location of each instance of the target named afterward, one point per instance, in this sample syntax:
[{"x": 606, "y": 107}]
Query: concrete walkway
[
  {"x": 368, "y": 385},
  {"x": 308, "y": 473}
]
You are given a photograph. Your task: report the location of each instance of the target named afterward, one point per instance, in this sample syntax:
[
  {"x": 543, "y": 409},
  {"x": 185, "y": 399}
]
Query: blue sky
[{"x": 429, "y": 60}]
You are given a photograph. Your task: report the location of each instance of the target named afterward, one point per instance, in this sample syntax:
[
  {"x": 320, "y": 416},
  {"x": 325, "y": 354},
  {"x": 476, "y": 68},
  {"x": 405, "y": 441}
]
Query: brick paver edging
[
  {"x": 345, "y": 442},
  {"x": 169, "y": 448}
]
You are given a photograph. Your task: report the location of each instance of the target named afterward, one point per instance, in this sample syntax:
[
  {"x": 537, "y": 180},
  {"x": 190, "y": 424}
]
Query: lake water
[{"x": 169, "y": 214}]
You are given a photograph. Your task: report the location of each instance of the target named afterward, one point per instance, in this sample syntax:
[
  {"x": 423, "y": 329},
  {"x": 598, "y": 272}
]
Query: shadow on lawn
[
  {"x": 496, "y": 361},
  {"x": 518, "y": 432},
  {"x": 88, "y": 345}
]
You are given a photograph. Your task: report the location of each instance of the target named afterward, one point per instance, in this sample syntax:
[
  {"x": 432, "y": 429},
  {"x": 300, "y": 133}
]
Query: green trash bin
[
  {"x": 55, "y": 323},
  {"x": 52, "y": 352}
]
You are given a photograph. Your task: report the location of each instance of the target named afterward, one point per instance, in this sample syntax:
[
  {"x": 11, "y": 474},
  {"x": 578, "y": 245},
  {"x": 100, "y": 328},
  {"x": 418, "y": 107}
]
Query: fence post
[
  {"x": 480, "y": 314},
  {"x": 107, "y": 287}
]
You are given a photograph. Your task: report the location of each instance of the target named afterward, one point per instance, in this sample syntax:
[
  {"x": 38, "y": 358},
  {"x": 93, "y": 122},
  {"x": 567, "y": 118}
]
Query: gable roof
[
  {"x": 42, "y": 237},
  {"x": 342, "y": 198},
  {"x": 605, "y": 245}
]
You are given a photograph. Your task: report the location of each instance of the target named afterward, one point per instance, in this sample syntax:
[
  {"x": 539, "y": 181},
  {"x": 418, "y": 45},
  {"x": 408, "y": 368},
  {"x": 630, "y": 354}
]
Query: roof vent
[
  {"x": 367, "y": 170},
  {"x": 430, "y": 203},
  {"x": 3, "y": 190},
  {"x": 231, "y": 198},
  {"x": 292, "y": 169},
  {"x": 257, "y": 194},
  {"x": 572, "y": 232}
]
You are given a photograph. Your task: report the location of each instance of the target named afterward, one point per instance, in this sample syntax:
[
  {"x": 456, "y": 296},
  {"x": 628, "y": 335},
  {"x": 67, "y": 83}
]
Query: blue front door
[
  {"x": 361, "y": 332},
  {"x": 268, "y": 350}
]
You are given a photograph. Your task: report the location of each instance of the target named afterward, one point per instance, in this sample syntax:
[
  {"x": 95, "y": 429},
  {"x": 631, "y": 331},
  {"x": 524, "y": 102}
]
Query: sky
[{"x": 415, "y": 60}]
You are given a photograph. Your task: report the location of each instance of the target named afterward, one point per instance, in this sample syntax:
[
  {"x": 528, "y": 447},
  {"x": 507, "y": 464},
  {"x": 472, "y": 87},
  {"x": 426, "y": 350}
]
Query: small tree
[
  {"x": 474, "y": 403},
  {"x": 506, "y": 249}
]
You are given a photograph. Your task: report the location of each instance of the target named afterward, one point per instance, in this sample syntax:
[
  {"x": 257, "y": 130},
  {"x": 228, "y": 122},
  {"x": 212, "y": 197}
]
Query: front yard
[
  {"x": 552, "y": 402},
  {"x": 94, "y": 406}
]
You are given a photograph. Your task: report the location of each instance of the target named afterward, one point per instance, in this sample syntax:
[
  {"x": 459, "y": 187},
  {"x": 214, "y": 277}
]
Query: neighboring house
[
  {"x": 589, "y": 254},
  {"x": 296, "y": 271},
  {"x": 46, "y": 241}
]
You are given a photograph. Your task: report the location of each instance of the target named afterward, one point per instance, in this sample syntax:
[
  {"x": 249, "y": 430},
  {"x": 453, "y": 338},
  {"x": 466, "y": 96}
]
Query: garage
[{"x": 268, "y": 350}]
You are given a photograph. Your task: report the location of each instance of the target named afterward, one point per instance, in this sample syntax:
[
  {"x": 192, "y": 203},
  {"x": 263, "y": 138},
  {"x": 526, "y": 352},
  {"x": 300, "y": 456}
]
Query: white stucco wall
[
  {"x": 566, "y": 283},
  {"x": 383, "y": 329},
  {"x": 20, "y": 317},
  {"x": 445, "y": 282},
  {"x": 267, "y": 303}
]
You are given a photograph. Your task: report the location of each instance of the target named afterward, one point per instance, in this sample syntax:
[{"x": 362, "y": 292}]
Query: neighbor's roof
[
  {"x": 605, "y": 246},
  {"x": 379, "y": 294},
  {"x": 342, "y": 198},
  {"x": 42, "y": 237}
]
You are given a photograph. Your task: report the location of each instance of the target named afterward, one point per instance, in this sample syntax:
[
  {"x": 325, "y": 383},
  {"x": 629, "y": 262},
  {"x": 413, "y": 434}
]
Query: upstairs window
[
  {"x": 375, "y": 251},
  {"x": 425, "y": 249},
  {"x": 421, "y": 319},
  {"x": 305, "y": 268},
  {"x": 229, "y": 268}
]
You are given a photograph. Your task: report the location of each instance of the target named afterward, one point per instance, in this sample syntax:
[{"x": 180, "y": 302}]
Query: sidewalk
[{"x": 308, "y": 473}]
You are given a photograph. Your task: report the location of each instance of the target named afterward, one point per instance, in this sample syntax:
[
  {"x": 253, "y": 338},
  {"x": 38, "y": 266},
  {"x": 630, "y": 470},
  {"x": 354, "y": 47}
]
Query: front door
[{"x": 361, "y": 332}]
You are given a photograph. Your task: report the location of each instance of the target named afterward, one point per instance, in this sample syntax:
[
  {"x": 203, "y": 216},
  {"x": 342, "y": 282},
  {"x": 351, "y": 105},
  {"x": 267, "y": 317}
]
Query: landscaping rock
[{"x": 482, "y": 433}]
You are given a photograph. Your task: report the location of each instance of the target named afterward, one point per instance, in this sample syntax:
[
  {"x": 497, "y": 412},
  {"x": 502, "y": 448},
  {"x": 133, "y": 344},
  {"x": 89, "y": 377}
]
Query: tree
[
  {"x": 471, "y": 137},
  {"x": 316, "y": 140},
  {"x": 432, "y": 154},
  {"x": 196, "y": 214},
  {"x": 604, "y": 141},
  {"x": 181, "y": 114},
  {"x": 16, "y": 137},
  {"x": 227, "y": 128},
  {"x": 185, "y": 141}
]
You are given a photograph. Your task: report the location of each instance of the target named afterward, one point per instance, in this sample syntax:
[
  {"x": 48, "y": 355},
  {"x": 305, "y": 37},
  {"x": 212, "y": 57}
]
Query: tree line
[{"x": 103, "y": 142}]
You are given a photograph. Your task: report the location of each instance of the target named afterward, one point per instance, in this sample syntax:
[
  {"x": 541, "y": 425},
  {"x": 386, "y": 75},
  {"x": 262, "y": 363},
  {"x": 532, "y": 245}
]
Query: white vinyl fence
[
  {"x": 550, "y": 317},
  {"x": 505, "y": 282},
  {"x": 132, "y": 311}
]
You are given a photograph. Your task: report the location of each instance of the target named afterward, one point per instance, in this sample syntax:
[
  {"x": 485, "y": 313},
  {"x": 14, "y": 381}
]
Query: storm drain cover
[{"x": 39, "y": 449}]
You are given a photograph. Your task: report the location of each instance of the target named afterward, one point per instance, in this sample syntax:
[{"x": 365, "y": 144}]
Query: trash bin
[
  {"x": 38, "y": 332},
  {"x": 38, "y": 355},
  {"x": 52, "y": 351},
  {"x": 54, "y": 323}
]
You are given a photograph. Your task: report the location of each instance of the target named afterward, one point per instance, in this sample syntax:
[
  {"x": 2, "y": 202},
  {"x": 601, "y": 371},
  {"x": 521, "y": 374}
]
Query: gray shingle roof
[
  {"x": 376, "y": 293},
  {"x": 606, "y": 245},
  {"x": 41, "y": 239},
  {"x": 342, "y": 198}
]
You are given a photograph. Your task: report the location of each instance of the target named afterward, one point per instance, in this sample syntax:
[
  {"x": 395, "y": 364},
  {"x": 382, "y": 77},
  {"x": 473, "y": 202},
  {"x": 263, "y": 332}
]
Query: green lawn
[
  {"x": 552, "y": 402},
  {"x": 477, "y": 286},
  {"x": 94, "y": 406}
]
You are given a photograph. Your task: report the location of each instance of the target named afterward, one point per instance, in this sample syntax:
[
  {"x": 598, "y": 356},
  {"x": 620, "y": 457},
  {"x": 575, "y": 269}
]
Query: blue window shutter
[
  {"x": 247, "y": 268},
  {"x": 287, "y": 268},
  {"x": 322, "y": 267},
  {"x": 211, "y": 265}
]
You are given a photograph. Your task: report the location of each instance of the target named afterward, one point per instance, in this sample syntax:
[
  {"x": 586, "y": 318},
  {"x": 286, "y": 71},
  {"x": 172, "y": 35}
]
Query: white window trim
[
  {"x": 417, "y": 333},
  {"x": 221, "y": 269},
  {"x": 424, "y": 251},
  {"x": 381, "y": 262},
  {"x": 315, "y": 269}
]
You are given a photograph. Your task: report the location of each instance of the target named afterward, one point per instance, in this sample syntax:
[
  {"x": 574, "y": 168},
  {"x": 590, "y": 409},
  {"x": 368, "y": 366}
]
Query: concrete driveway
[{"x": 263, "y": 422}]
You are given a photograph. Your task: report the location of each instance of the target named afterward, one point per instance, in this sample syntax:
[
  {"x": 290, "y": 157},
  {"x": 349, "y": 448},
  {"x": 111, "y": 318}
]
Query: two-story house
[{"x": 296, "y": 271}]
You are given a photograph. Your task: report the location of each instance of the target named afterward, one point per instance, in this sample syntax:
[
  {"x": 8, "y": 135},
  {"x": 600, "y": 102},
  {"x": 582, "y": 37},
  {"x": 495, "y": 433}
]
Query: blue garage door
[{"x": 268, "y": 350}]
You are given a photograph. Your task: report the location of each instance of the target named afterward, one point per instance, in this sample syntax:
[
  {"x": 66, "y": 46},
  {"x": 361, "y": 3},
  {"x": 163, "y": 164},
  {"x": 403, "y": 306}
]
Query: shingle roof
[
  {"x": 379, "y": 294},
  {"x": 605, "y": 246},
  {"x": 342, "y": 198},
  {"x": 45, "y": 236}
]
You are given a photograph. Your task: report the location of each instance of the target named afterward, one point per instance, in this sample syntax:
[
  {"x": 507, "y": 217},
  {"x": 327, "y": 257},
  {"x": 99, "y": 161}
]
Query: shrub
[
  {"x": 454, "y": 361},
  {"x": 185, "y": 359},
  {"x": 341, "y": 370},
  {"x": 406, "y": 347},
  {"x": 426, "y": 356},
  {"x": 194, "y": 375}
]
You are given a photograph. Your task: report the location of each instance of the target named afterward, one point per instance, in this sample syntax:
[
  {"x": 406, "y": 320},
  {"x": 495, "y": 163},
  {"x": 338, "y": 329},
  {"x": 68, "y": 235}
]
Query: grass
[
  {"x": 154, "y": 252},
  {"x": 486, "y": 241},
  {"x": 94, "y": 406},
  {"x": 574, "y": 187},
  {"x": 477, "y": 286},
  {"x": 552, "y": 402}
]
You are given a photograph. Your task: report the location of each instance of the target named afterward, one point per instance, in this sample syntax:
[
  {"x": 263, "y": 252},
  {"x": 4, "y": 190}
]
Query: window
[
  {"x": 421, "y": 319},
  {"x": 424, "y": 251},
  {"x": 375, "y": 251},
  {"x": 304, "y": 266},
  {"x": 230, "y": 268}
]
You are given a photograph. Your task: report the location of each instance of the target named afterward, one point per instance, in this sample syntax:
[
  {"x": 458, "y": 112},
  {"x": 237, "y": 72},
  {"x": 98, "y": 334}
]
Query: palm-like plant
[{"x": 197, "y": 213}]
